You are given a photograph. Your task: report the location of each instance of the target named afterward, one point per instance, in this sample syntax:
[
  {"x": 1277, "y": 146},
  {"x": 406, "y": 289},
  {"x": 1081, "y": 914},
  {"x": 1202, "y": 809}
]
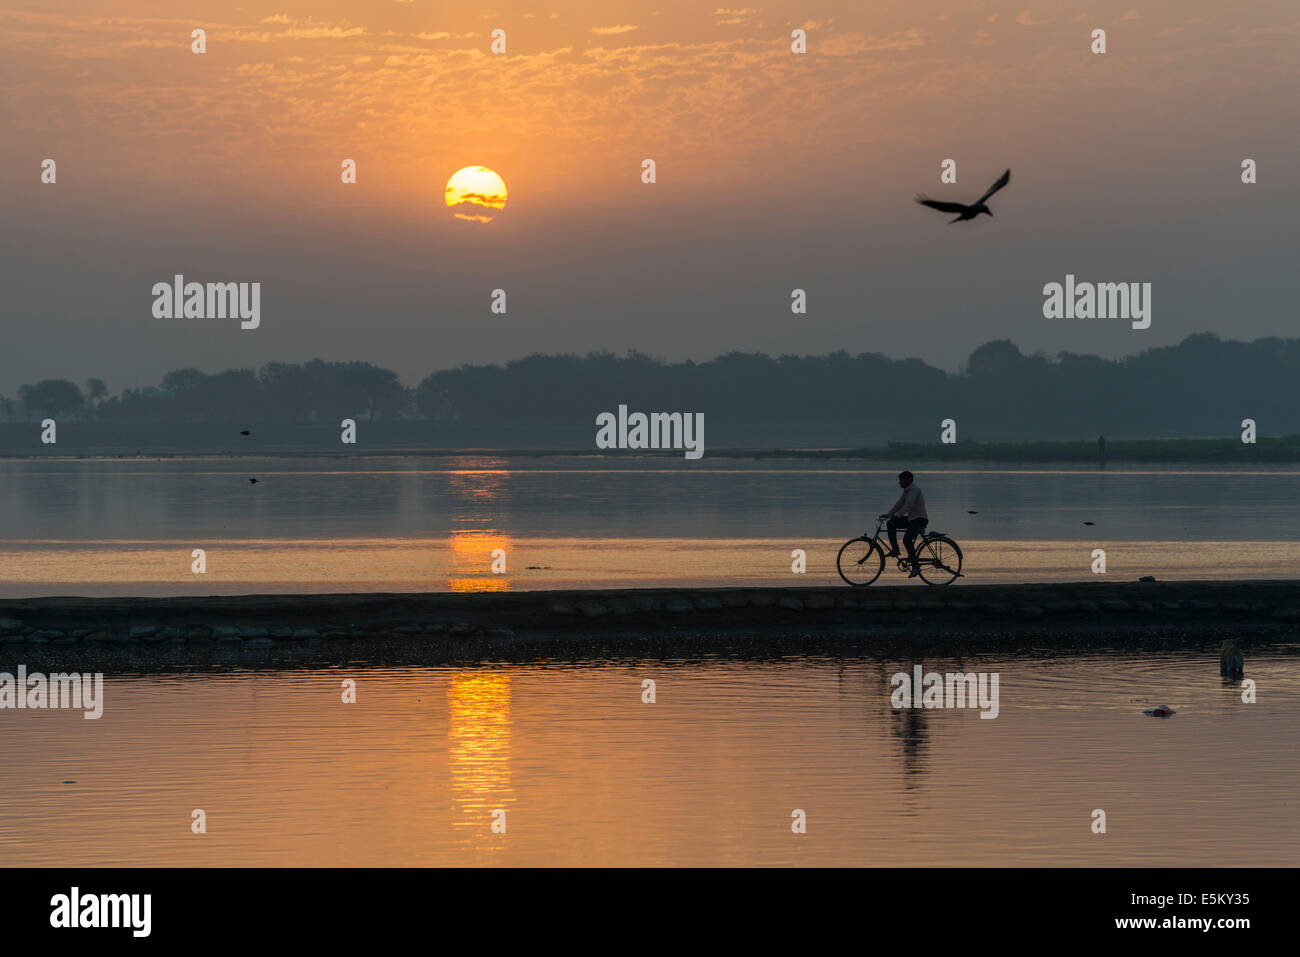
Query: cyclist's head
[{"x": 904, "y": 479}]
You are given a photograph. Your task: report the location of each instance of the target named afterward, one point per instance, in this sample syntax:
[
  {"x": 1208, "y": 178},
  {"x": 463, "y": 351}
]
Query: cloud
[
  {"x": 303, "y": 33},
  {"x": 609, "y": 31},
  {"x": 850, "y": 44},
  {"x": 714, "y": 95},
  {"x": 482, "y": 199}
]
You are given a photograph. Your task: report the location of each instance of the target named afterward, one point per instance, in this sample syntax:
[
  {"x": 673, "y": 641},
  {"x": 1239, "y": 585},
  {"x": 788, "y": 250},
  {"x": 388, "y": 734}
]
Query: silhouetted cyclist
[{"x": 908, "y": 513}]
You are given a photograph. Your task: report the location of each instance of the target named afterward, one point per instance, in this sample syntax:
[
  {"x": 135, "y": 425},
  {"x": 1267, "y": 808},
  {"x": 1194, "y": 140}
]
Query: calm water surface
[
  {"x": 709, "y": 774},
  {"x": 321, "y": 524}
]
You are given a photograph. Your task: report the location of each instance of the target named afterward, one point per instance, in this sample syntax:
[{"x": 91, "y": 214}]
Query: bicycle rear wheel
[
  {"x": 860, "y": 561},
  {"x": 939, "y": 560}
]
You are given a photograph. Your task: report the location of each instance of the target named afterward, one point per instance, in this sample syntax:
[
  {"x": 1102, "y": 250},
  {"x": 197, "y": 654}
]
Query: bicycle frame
[{"x": 903, "y": 561}]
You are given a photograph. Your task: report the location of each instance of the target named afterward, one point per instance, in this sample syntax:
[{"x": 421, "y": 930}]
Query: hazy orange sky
[{"x": 775, "y": 171}]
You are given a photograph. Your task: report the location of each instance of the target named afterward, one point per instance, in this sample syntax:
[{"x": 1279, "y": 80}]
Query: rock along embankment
[{"x": 1102, "y": 608}]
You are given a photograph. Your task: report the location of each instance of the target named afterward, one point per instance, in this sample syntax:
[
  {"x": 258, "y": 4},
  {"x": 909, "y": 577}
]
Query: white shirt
[{"x": 911, "y": 503}]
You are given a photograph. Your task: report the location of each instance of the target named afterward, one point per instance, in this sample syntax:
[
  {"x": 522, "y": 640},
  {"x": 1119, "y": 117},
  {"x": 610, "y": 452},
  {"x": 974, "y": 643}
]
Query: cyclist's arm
[{"x": 897, "y": 505}]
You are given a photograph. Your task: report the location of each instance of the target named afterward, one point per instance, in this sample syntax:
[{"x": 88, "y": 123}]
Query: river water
[
  {"x": 711, "y": 772},
  {"x": 412, "y": 523}
]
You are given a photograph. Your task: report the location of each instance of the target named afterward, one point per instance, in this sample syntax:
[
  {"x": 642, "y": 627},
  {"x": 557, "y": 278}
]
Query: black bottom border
[{"x": 304, "y": 906}]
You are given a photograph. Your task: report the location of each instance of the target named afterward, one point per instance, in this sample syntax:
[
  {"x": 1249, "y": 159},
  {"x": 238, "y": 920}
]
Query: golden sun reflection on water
[
  {"x": 473, "y": 556},
  {"x": 478, "y": 733}
]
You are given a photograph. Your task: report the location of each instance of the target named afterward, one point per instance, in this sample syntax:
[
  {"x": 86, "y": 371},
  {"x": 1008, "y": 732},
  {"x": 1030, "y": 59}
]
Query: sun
[{"x": 475, "y": 193}]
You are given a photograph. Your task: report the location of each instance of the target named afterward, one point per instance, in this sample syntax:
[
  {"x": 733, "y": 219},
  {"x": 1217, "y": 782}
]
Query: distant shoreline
[
  {"x": 1282, "y": 450},
  {"x": 1077, "y": 615}
]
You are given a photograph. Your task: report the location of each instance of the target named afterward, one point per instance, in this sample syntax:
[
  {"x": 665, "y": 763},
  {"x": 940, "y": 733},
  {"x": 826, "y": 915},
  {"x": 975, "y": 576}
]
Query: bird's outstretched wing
[
  {"x": 943, "y": 207},
  {"x": 1002, "y": 181}
]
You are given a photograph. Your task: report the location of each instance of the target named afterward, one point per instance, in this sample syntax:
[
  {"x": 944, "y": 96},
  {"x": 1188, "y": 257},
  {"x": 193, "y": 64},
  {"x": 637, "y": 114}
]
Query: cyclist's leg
[
  {"x": 909, "y": 539},
  {"x": 892, "y": 527}
]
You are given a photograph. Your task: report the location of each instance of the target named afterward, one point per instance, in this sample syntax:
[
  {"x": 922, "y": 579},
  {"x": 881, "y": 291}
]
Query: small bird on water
[
  {"x": 252, "y": 481},
  {"x": 245, "y": 432},
  {"x": 967, "y": 212}
]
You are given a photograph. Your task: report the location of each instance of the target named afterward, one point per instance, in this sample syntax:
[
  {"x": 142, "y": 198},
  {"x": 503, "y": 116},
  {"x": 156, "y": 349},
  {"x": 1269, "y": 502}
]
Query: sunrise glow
[{"x": 475, "y": 194}]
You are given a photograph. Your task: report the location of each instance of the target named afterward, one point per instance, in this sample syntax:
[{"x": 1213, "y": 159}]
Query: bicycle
[{"x": 862, "y": 559}]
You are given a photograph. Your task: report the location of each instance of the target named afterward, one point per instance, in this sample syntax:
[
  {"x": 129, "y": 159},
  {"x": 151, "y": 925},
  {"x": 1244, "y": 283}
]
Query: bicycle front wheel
[
  {"x": 939, "y": 560},
  {"x": 860, "y": 561}
]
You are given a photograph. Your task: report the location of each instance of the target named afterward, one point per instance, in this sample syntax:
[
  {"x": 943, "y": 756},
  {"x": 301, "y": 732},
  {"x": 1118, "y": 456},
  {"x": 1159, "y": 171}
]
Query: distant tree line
[
  {"x": 280, "y": 392},
  {"x": 1202, "y": 386}
]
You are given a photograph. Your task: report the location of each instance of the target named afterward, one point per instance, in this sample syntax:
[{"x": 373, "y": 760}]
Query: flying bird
[{"x": 971, "y": 211}]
